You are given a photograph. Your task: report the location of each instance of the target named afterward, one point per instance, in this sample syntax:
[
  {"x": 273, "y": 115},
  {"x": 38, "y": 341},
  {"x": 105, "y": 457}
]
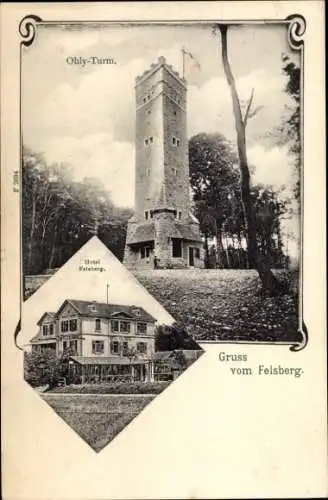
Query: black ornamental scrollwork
[
  {"x": 27, "y": 29},
  {"x": 296, "y": 30}
]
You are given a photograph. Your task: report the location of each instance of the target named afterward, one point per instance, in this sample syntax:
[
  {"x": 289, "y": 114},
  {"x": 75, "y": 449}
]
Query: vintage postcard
[{"x": 163, "y": 272}]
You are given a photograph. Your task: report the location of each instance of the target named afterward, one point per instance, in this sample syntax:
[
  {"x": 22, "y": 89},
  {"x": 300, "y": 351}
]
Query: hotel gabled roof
[{"x": 110, "y": 311}]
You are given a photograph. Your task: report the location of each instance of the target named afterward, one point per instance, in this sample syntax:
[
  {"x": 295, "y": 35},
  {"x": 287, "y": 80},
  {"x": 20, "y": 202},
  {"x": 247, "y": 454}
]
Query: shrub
[{"x": 114, "y": 388}]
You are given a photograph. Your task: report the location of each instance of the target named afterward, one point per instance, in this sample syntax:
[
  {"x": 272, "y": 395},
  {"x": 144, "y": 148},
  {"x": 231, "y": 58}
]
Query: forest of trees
[
  {"x": 215, "y": 182},
  {"x": 60, "y": 215}
]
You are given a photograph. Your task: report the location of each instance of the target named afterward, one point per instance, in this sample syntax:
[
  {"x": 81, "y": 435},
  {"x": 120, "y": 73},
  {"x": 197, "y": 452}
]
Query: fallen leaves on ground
[{"x": 224, "y": 304}]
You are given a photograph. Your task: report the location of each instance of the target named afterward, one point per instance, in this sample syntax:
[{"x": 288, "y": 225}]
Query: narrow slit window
[{"x": 173, "y": 141}]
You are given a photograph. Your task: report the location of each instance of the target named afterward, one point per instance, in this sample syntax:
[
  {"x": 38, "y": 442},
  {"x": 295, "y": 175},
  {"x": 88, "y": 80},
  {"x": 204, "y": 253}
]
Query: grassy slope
[
  {"x": 223, "y": 304},
  {"x": 97, "y": 419}
]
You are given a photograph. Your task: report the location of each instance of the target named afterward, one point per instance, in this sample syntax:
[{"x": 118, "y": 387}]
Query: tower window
[
  {"x": 178, "y": 142},
  {"x": 173, "y": 141},
  {"x": 145, "y": 100},
  {"x": 176, "y": 247},
  {"x": 175, "y": 171},
  {"x": 146, "y": 215},
  {"x": 174, "y": 112},
  {"x": 145, "y": 252},
  {"x": 179, "y": 215},
  {"x": 148, "y": 171},
  {"x": 148, "y": 140},
  {"x": 149, "y": 112}
]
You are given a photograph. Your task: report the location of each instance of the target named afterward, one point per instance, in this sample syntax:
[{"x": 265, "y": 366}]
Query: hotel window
[
  {"x": 51, "y": 329},
  {"x": 73, "y": 345},
  {"x": 64, "y": 326},
  {"x": 114, "y": 325},
  {"x": 97, "y": 347},
  {"x": 141, "y": 327},
  {"x": 176, "y": 248},
  {"x": 142, "y": 347},
  {"x": 73, "y": 325},
  {"x": 125, "y": 326},
  {"x": 114, "y": 347},
  {"x": 125, "y": 348},
  {"x": 98, "y": 325},
  {"x": 64, "y": 345},
  {"x": 45, "y": 330}
]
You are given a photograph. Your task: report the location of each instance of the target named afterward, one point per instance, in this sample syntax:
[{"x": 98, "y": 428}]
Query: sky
[{"x": 85, "y": 116}]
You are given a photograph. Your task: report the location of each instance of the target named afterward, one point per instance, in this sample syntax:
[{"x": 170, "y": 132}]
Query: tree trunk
[
  {"x": 269, "y": 281},
  {"x": 207, "y": 255},
  {"x": 32, "y": 230},
  {"x": 227, "y": 253},
  {"x": 219, "y": 249}
]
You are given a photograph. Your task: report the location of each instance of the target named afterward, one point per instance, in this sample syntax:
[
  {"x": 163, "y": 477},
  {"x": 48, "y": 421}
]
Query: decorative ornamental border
[{"x": 296, "y": 27}]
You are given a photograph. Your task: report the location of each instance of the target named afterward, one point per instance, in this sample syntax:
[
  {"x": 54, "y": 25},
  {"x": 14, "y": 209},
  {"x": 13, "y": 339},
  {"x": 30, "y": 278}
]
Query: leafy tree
[
  {"x": 60, "y": 215},
  {"x": 269, "y": 282},
  {"x": 43, "y": 368},
  {"x": 268, "y": 210},
  {"x": 291, "y": 126},
  {"x": 214, "y": 181},
  {"x": 172, "y": 337},
  {"x": 180, "y": 358}
]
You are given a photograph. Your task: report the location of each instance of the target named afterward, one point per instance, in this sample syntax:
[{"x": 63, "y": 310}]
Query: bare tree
[{"x": 259, "y": 262}]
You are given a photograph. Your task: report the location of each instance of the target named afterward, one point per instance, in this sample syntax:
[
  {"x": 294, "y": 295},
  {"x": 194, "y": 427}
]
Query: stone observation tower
[{"x": 162, "y": 232}]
